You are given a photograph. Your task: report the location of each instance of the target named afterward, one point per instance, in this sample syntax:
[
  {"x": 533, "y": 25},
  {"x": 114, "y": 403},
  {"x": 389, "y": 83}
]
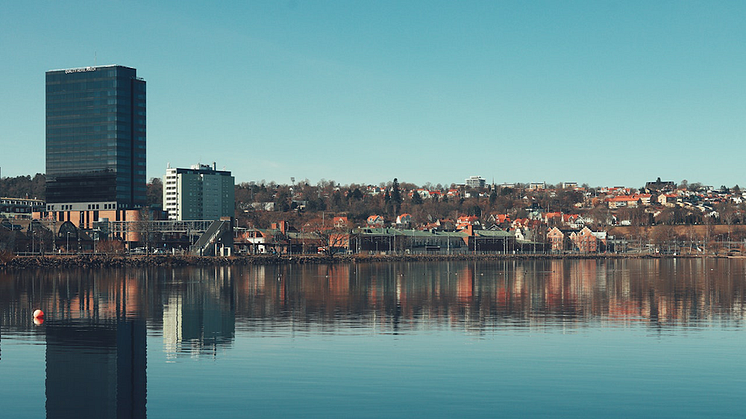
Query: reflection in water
[
  {"x": 198, "y": 313},
  {"x": 491, "y": 296},
  {"x": 95, "y": 338},
  {"x": 197, "y": 309},
  {"x": 96, "y": 370},
  {"x": 98, "y": 321}
]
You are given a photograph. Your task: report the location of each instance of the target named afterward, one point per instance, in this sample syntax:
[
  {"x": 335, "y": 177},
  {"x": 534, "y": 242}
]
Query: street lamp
[
  {"x": 54, "y": 237},
  {"x": 67, "y": 243}
]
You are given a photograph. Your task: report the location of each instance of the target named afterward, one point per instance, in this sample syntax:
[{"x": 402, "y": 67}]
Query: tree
[
  {"x": 39, "y": 186},
  {"x": 356, "y": 195},
  {"x": 662, "y": 234},
  {"x": 328, "y": 238},
  {"x": 282, "y": 201},
  {"x": 729, "y": 213},
  {"x": 24, "y": 186},
  {"x": 337, "y": 201},
  {"x": 416, "y": 198},
  {"x": 8, "y": 239},
  {"x": 396, "y": 198},
  {"x": 473, "y": 208},
  {"x": 145, "y": 229},
  {"x": 110, "y": 247},
  {"x": 155, "y": 193}
]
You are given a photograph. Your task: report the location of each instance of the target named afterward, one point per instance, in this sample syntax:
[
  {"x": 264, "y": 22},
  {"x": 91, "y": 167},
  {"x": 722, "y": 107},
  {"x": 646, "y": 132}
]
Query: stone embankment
[{"x": 108, "y": 261}]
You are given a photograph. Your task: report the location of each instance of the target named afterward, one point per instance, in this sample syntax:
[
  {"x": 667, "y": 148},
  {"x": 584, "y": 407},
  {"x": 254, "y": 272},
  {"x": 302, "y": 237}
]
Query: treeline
[
  {"x": 35, "y": 187},
  {"x": 261, "y": 204},
  {"x": 24, "y": 186}
]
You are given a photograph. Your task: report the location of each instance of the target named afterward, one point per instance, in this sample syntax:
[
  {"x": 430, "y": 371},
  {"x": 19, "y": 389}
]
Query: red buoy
[{"x": 38, "y": 314}]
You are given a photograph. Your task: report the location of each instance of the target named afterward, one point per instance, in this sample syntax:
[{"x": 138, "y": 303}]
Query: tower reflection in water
[
  {"x": 96, "y": 352},
  {"x": 96, "y": 369},
  {"x": 96, "y": 342}
]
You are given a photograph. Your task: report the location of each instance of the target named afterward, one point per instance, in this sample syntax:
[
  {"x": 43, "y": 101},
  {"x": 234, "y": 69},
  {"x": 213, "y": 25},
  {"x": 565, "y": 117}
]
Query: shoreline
[{"x": 114, "y": 261}]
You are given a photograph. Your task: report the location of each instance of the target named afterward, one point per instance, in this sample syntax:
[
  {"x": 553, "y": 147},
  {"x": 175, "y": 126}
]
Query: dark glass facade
[{"x": 96, "y": 136}]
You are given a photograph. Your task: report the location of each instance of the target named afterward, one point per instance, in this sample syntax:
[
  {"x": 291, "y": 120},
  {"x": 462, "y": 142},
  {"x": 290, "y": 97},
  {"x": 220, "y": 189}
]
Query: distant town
[
  {"x": 94, "y": 199},
  {"x": 392, "y": 217}
]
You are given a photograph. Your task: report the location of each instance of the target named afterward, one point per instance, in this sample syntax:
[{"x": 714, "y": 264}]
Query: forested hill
[{"x": 23, "y": 186}]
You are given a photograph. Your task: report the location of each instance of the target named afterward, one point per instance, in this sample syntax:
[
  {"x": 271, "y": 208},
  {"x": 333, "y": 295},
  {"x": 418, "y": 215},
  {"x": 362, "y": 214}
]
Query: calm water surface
[{"x": 631, "y": 338}]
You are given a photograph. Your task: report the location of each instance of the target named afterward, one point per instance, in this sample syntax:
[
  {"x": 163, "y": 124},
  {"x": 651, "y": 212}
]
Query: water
[{"x": 628, "y": 338}]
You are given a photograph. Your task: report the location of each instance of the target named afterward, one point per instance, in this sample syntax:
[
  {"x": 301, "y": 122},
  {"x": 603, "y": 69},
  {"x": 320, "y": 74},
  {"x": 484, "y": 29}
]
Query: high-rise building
[
  {"x": 198, "y": 193},
  {"x": 95, "y": 145}
]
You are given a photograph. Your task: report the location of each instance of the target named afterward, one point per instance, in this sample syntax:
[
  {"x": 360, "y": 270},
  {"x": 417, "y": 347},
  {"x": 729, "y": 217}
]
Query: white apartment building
[
  {"x": 475, "y": 182},
  {"x": 198, "y": 193}
]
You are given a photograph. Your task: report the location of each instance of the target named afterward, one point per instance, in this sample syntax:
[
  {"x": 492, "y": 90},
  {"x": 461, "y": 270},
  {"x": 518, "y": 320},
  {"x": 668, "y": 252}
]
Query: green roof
[
  {"x": 493, "y": 233},
  {"x": 407, "y": 233}
]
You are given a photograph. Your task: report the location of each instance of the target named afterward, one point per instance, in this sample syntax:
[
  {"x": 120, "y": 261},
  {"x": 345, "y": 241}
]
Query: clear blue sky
[{"x": 598, "y": 92}]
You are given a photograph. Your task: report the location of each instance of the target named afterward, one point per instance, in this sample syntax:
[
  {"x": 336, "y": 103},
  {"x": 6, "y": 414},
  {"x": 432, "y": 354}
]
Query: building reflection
[
  {"x": 95, "y": 338},
  {"x": 491, "y": 295},
  {"x": 96, "y": 369},
  {"x": 198, "y": 310},
  {"x": 198, "y": 314}
]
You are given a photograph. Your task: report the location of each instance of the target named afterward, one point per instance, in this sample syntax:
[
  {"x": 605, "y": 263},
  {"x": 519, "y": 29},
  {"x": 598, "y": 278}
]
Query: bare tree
[
  {"x": 145, "y": 229},
  {"x": 110, "y": 247},
  {"x": 329, "y": 237},
  {"x": 662, "y": 235}
]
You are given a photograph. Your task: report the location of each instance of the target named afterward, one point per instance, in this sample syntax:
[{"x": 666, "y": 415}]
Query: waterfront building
[
  {"x": 19, "y": 207},
  {"x": 95, "y": 144},
  {"x": 199, "y": 193},
  {"x": 557, "y": 239}
]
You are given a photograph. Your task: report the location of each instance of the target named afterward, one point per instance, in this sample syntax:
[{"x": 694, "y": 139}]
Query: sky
[{"x": 607, "y": 93}]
